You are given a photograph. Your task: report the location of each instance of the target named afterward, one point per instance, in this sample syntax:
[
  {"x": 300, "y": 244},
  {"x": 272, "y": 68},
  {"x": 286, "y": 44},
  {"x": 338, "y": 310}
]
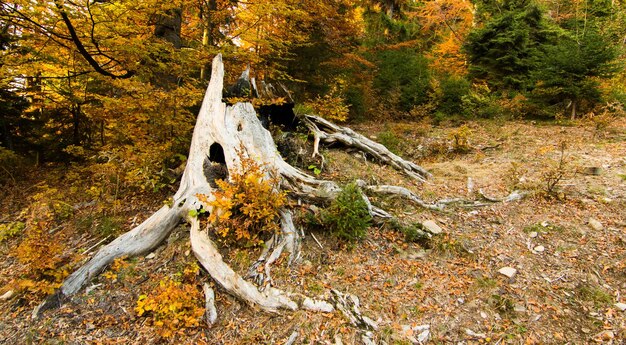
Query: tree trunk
[
  {"x": 573, "y": 110},
  {"x": 226, "y": 134}
]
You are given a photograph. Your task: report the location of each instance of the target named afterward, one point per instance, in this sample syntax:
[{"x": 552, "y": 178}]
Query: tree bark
[{"x": 237, "y": 131}]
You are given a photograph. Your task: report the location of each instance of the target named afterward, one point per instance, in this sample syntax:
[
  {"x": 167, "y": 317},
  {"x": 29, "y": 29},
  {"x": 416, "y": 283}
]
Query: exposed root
[
  {"x": 441, "y": 204},
  {"x": 288, "y": 240},
  {"x": 349, "y": 305},
  {"x": 270, "y": 300},
  {"x": 328, "y": 132},
  {"x": 211, "y": 311},
  {"x": 145, "y": 237}
]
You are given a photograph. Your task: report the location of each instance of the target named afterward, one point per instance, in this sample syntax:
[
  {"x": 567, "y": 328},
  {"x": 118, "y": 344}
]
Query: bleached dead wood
[
  {"x": 205, "y": 251},
  {"x": 209, "y": 305},
  {"x": 328, "y": 132},
  {"x": 441, "y": 204},
  {"x": 238, "y": 133}
]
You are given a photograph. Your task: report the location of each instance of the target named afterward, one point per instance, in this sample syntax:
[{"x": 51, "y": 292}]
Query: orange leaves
[
  {"x": 247, "y": 206},
  {"x": 172, "y": 307},
  {"x": 450, "y": 21}
]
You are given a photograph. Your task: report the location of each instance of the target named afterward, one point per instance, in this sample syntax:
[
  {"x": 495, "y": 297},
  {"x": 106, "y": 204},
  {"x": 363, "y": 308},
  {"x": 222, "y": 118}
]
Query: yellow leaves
[
  {"x": 331, "y": 107},
  {"x": 172, "y": 307},
  {"x": 247, "y": 206},
  {"x": 460, "y": 138}
]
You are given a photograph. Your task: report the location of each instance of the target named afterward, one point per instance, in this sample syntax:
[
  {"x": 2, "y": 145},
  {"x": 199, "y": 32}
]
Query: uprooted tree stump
[{"x": 230, "y": 133}]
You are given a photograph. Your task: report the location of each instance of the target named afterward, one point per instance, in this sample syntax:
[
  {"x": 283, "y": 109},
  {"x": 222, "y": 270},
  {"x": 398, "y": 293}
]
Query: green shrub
[
  {"x": 390, "y": 140},
  {"x": 404, "y": 71},
  {"x": 347, "y": 217},
  {"x": 452, "y": 91}
]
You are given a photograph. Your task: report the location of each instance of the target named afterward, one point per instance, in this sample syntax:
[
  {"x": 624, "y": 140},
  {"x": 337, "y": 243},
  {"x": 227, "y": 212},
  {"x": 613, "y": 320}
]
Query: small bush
[
  {"x": 481, "y": 102},
  {"x": 460, "y": 139},
  {"x": 452, "y": 91},
  {"x": 331, "y": 106},
  {"x": 555, "y": 171},
  {"x": 390, "y": 140},
  {"x": 247, "y": 207},
  {"x": 10, "y": 230},
  {"x": 347, "y": 217},
  {"x": 172, "y": 307}
]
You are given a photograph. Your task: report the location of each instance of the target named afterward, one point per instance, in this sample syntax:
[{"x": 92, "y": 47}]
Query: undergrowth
[
  {"x": 247, "y": 207},
  {"x": 41, "y": 251},
  {"x": 347, "y": 217},
  {"x": 171, "y": 307}
]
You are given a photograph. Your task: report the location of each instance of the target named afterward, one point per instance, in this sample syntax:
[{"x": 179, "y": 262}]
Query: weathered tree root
[
  {"x": 235, "y": 131},
  {"x": 205, "y": 251},
  {"x": 328, "y": 132},
  {"x": 441, "y": 204}
]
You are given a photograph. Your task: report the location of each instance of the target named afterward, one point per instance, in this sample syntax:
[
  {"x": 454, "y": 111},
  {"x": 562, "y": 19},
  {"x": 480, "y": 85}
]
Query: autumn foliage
[
  {"x": 247, "y": 206},
  {"x": 171, "y": 307}
]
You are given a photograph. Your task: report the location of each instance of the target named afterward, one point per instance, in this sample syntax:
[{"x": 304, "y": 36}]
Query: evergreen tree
[
  {"x": 505, "y": 50},
  {"x": 569, "y": 71}
]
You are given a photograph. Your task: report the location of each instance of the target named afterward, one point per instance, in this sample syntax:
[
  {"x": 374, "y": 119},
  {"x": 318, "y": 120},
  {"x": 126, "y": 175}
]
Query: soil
[{"x": 566, "y": 240}]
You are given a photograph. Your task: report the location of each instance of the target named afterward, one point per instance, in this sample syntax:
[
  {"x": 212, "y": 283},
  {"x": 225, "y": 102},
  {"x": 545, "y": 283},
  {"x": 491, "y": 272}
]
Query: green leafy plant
[
  {"x": 347, "y": 217},
  {"x": 10, "y": 230},
  {"x": 315, "y": 169}
]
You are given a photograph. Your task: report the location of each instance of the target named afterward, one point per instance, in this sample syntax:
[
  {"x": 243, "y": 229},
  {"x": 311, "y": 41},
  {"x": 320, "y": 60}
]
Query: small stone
[
  {"x": 151, "y": 256},
  {"x": 483, "y": 314},
  {"x": 7, "y": 295},
  {"x": 539, "y": 249},
  {"x": 585, "y": 330},
  {"x": 621, "y": 306},
  {"x": 432, "y": 227},
  {"x": 533, "y": 234},
  {"x": 605, "y": 335},
  {"x": 595, "y": 224},
  {"x": 545, "y": 223},
  {"x": 508, "y": 271},
  {"x": 518, "y": 308},
  {"x": 187, "y": 252},
  {"x": 422, "y": 338},
  {"x": 419, "y": 254}
]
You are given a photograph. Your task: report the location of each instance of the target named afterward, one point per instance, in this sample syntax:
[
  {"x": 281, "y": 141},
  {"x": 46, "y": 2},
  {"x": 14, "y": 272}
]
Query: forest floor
[{"x": 567, "y": 244}]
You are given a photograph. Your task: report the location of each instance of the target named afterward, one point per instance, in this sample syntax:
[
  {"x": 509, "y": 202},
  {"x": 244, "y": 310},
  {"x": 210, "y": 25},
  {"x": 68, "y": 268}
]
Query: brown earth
[{"x": 563, "y": 294}]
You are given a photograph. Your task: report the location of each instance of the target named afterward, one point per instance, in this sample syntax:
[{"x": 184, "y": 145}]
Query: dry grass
[{"x": 562, "y": 295}]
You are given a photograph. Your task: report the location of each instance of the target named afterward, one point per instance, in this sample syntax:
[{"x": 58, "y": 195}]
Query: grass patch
[
  {"x": 543, "y": 228},
  {"x": 593, "y": 294},
  {"x": 413, "y": 232}
]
